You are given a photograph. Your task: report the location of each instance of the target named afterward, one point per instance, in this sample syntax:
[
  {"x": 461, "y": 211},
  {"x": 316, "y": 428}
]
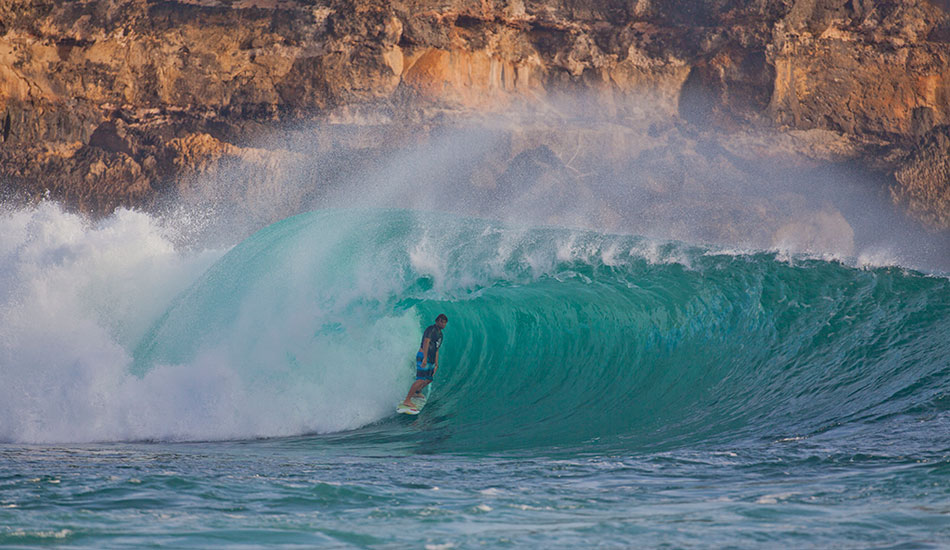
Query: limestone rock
[
  {"x": 923, "y": 181},
  {"x": 122, "y": 102}
]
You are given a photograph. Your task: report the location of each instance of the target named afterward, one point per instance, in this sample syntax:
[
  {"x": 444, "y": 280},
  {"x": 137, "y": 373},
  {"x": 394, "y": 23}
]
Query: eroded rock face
[
  {"x": 123, "y": 102},
  {"x": 923, "y": 181}
]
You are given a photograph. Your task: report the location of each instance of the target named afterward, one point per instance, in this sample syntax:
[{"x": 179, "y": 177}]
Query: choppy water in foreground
[
  {"x": 596, "y": 390},
  {"x": 318, "y": 492}
]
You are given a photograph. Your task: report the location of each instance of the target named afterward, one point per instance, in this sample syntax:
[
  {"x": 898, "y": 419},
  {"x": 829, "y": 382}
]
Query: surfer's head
[{"x": 441, "y": 321}]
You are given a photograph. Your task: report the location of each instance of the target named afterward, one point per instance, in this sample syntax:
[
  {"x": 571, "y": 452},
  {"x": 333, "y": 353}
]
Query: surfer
[{"x": 427, "y": 359}]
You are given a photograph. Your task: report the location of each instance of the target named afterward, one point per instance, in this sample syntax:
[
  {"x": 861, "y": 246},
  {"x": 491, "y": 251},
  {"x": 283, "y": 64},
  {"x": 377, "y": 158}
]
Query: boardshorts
[{"x": 421, "y": 373}]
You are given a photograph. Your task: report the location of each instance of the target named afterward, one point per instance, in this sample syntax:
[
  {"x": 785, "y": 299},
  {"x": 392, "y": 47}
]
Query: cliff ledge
[{"x": 126, "y": 102}]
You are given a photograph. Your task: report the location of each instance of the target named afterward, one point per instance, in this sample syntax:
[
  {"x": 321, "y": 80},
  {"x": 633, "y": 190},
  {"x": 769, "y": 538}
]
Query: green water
[{"x": 595, "y": 390}]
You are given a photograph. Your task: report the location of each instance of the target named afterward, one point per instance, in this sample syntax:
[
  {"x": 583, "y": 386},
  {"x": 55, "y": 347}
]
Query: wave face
[{"x": 556, "y": 337}]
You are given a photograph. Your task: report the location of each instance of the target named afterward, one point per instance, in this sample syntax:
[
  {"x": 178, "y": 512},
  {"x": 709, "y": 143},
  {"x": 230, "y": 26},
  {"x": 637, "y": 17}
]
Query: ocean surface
[{"x": 595, "y": 390}]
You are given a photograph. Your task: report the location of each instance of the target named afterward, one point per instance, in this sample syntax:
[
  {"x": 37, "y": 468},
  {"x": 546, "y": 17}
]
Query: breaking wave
[{"x": 555, "y": 336}]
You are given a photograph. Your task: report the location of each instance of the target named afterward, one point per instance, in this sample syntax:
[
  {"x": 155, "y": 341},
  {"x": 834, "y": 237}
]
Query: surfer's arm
[
  {"x": 424, "y": 350},
  {"x": 436, "y": 368}
]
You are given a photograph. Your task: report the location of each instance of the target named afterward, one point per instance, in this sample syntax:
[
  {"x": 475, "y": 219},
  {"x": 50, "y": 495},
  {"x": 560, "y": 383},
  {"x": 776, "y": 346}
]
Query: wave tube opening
[{"x": 556, "y": 337}]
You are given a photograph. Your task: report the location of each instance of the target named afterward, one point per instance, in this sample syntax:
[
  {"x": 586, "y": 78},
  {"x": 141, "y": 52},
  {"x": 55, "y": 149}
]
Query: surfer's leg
[
  {"x": 423, "y": 378},
  {"x": 414, "y": 389},
  {"x": 422, "y": 387},
  {"x": 420, "y": 382}
]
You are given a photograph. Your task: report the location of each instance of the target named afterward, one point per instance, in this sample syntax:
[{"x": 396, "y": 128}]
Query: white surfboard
[{"x": 417, "y": 404}]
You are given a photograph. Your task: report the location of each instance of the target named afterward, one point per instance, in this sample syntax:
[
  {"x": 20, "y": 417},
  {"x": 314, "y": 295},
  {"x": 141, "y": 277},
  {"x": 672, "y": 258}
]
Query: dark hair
[{"x": 442, "y": 317}]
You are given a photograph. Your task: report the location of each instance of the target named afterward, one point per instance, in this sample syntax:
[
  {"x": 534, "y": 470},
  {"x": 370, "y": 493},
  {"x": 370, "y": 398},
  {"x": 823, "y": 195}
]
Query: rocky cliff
[{"x": 125, "y": 102}]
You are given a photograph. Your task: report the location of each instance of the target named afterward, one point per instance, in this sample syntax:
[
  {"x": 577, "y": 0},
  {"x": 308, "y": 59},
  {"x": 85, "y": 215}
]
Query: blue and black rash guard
[{"x": 434, "y": 334}]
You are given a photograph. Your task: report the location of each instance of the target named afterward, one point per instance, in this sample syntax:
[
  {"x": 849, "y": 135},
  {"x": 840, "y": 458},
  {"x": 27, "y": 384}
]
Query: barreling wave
[{"x": 555, "y": 336}]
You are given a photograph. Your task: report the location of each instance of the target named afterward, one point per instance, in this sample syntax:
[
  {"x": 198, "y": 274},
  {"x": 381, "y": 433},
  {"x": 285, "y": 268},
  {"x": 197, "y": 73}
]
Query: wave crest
[{"x": 555, "y": 337}]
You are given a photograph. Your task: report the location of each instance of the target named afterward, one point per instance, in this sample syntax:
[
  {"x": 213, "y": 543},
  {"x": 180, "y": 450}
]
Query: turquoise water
[{"x": 596, "y": 390}]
